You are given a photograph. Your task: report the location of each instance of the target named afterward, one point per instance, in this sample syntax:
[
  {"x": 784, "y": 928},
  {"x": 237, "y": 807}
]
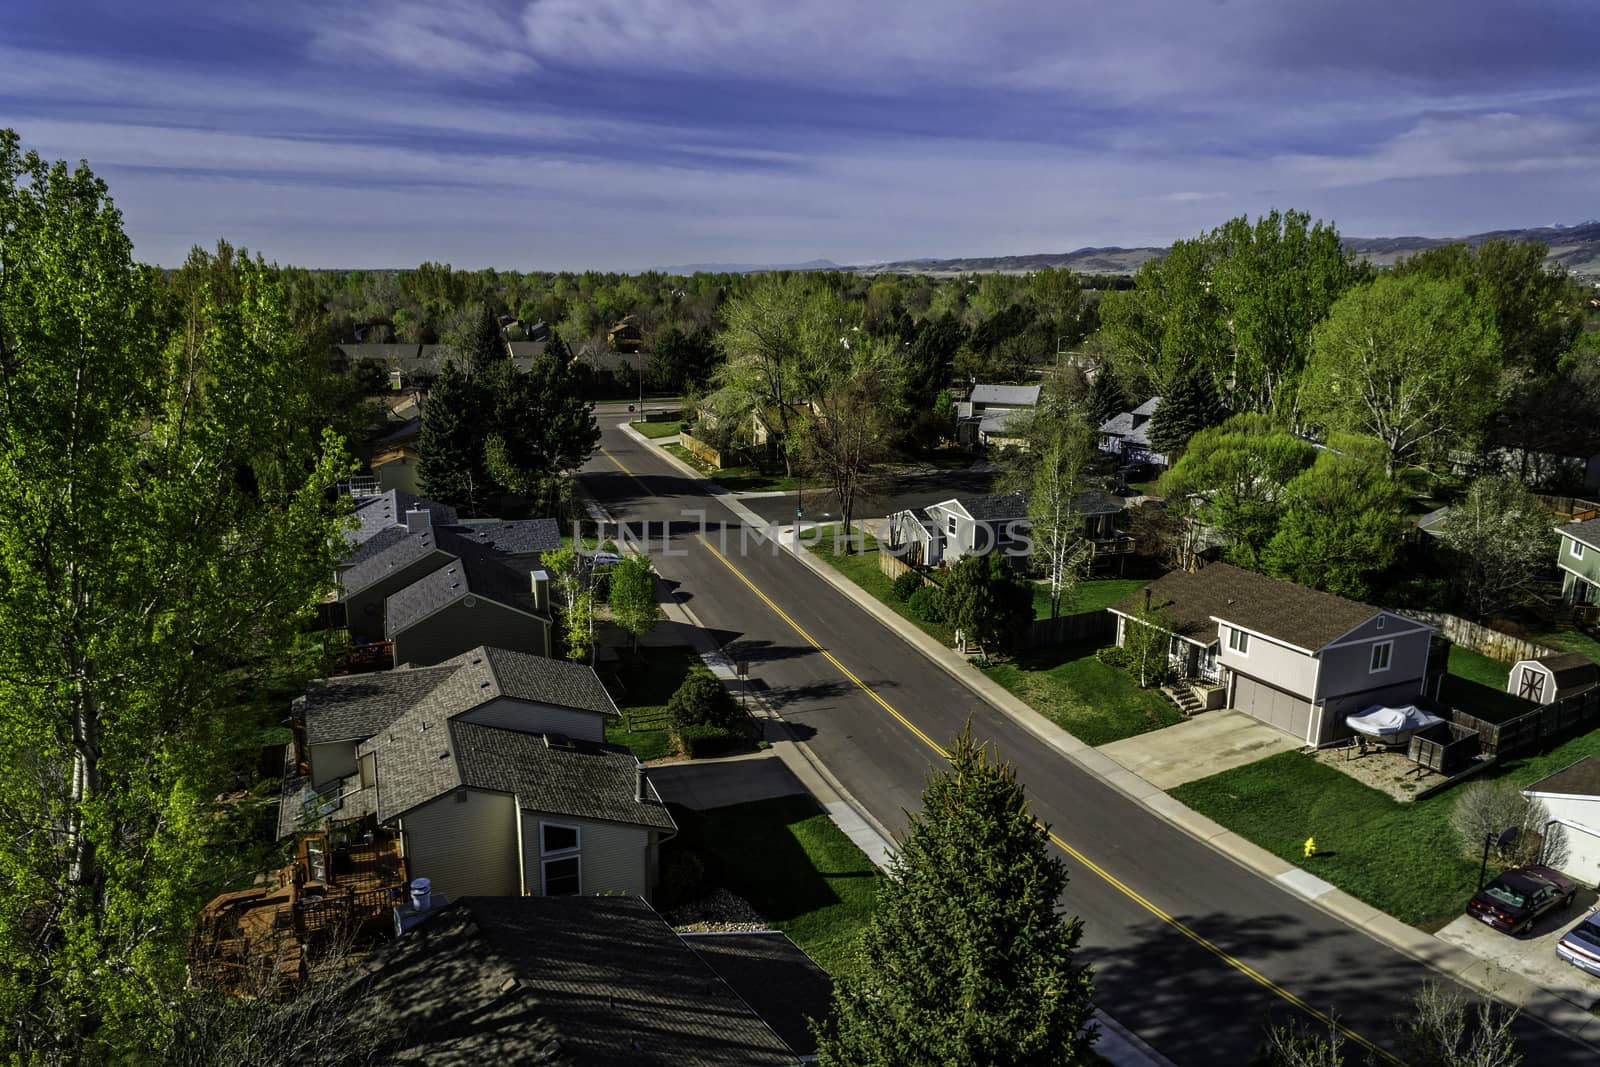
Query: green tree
[
  {"x": 1106, "y": 398},
  {"x": 1146, "y": 638},
  {"x": 1408, "y": 360},
  {"x": 157, "y": 518},
  {"x": 483, "y": 346},
  {"x": 844, "y": 434},
  {"x": 1232, "y": 479},
  {"x": 633, "y": 596},
  {"x": 928, "y": 359},
  {"x": 1188, "y": 405},
  {"x": 450, "y": 467},
  {"x": 702, "y": 700},
  {"x": 988, "y": 601},
  {"x": 1502, "y": 539},
  {"x": 574, "y": 608},
  {"x": 539, "y": 427},
  {"x": 968, "y": 960},
  {"x": 1342, "y": 525},
  {"x": 1060, "y": 476}
]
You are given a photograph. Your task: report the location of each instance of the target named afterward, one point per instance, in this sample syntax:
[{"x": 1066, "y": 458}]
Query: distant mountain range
[
  {"x": 749, "y": 268},
  {"x": 1578, "y": 247}
]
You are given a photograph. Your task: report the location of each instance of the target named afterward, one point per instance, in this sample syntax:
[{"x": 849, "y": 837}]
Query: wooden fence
[
  {"x": 1083, "y": 626},
  {"x": 894, "y": 566},
  {"x": 1535, "y": 728},
  {"x": 700, "y": 449},
  {"x": 1481, "y": 639}
]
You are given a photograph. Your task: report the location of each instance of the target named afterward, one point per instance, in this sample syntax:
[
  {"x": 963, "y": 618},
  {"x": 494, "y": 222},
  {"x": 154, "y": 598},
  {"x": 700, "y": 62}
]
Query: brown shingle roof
[
  {"x": 1582, "y": 779},
  {"x": 1294, "y": 614}
]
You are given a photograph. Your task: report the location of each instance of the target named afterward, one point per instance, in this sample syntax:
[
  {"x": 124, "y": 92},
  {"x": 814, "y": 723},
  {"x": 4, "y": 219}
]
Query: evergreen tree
[
  {"x": 484, "y": 346},
  {"x": 989, "y": 601},
  {"x": 929, "y": 357},
  {"x": 451, "y": 466},
  {"x": 968, "y": 960},
  {"x": 1106, "y": 399},
  {"x": 1189, "y": 404}
]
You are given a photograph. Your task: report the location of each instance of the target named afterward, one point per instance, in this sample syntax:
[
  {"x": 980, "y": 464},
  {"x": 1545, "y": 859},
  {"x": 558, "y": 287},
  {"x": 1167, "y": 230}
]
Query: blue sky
[{"x": 622, "y": 135}]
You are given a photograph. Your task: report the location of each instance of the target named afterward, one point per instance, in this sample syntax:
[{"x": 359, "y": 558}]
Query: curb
[{"x": 1484, "y": 976}]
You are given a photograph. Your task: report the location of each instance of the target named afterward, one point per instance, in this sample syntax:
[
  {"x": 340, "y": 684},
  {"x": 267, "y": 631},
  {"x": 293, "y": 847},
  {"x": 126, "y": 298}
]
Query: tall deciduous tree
[
  {"x": 1341, "y": 526},
  {"x": 845, "y": 432},
  {"x": 1060, "y": 477},
  {"x": 1232, "y": 480},
  {"x": 632, "y": 596},
  {"x": 1408, "y": 360},
  {"x": 968, "y": 960},
  {"x": 1502, "y": 538},
  {"x": 158, "y": 521}
]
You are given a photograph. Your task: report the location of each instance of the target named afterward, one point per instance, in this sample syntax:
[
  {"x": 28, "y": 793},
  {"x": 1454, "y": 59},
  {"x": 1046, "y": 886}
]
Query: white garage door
[{"x": 1272, "y": 706}]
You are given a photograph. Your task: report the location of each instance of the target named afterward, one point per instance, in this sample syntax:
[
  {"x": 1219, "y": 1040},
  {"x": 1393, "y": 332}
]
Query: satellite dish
[{"x": 1507, "y": 838}]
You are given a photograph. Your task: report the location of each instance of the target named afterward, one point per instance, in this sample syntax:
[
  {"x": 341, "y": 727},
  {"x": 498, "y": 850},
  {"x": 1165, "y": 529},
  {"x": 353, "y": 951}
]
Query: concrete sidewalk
[{"x": 1483, "y": 975}]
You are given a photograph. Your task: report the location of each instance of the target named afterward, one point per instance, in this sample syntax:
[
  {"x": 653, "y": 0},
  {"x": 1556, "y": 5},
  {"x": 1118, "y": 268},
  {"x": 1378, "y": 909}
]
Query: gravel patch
[
  {"x": 718, "y": 910},
  {"x": 1386, "y": 770}
]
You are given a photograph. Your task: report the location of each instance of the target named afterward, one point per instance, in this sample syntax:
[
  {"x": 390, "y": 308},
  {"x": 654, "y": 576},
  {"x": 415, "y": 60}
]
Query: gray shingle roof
[
  {"x": 1018, "y": 396},
  {"x": 1588, "y": 531},
  {"x": 523, "y": 676},
  {"x": 360, "y": 705},
  {"x": 1094, "y": 502},
  {"x": 557, "y": 980},
  {"x": 476, "y": 570},
  {"x": 1133, "y": 426},
  {"x": 519, "y": 537},
  {"x": 771, "y": 974},
  {"x": 995, "y": 508},
  {"x": 394, "y": 556},
  {"x": 1305, "y": 618},
  {"x": 387, "y": 511},
  {"x": 1581, "y": 779}
]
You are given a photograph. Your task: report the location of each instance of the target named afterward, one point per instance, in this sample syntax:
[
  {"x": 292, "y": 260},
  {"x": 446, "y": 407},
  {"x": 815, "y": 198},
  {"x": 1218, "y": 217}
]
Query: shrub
[
  {"x": 1115, "y": 656},
  {"x": 908, "y": 582},
  {"x": 682, "y": 876},
  {"x": 706, "y": 739},
  {"x": 702, "y": 700},
  {"x": 927, "y": 604},
  {"x": 1487, "y": 809}
]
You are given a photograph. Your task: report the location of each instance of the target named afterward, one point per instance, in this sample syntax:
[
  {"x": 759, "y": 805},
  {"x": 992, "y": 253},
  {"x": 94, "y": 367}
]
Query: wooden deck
[{"x": 253, "y": 942}]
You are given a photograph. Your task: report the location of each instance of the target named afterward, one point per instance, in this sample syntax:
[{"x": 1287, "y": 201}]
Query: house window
[
  {"x": 562, "y": 867},
  {"x": 1577, "y": 549},
  {"x": 1239, "y": 641},
  {"x": 369, "y": 770},
  {"x": 563, "y": 877},
  {"x": 950, "y": 525},
  {"x": 1382, "y": 653}
]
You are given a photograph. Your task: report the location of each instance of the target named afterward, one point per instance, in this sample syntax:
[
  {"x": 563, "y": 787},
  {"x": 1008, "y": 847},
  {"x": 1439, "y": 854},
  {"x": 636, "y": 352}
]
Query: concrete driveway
[
  {"x": 1533, "y": 956},
  {"x": 716, "y": 783},
  {"x": 1209, "y": 743}
]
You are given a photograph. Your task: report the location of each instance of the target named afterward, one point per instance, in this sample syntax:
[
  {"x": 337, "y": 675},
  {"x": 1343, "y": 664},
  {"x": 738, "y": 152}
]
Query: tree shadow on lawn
[{"x": 753, "y": 850}]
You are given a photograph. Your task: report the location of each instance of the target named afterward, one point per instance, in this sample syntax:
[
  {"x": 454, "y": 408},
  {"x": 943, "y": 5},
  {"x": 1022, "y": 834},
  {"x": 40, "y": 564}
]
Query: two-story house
[
  {"x": 1578, "y": 558},
  {"x": 492, "y": 767},
  {"x": 964, "y": 526},
  {"x": 1296, "y": 658},
  {"x": 983, "y": 418},
  {"x": 1127, "y": 435}
]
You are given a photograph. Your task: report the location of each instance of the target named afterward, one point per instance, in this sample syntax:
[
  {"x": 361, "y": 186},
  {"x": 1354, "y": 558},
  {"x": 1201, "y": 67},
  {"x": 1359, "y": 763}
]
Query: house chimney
[
  {"x": 418, "y": 520},
  {"x": 541, "y": 590},
  {"x": 641, "y": 785}
]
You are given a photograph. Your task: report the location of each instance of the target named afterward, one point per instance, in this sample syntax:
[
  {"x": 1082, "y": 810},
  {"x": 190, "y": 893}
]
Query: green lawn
[
  {"x": 1476, "y": 684},
  {"x": 788, "y": 859},
  {"x": 643, "y": 684},
  {"x": 657, "y": 430},
  {"x": 1095, "y": 703},
  {"x": 862, "y": 568},
  {"x": 1569, "y": 640},
  {"x": 1144, "y": 488},
  {"x": 1097, "y": 594},
  {"x": 736, "y": 479},
  {"x": 1400, "y": 858}
]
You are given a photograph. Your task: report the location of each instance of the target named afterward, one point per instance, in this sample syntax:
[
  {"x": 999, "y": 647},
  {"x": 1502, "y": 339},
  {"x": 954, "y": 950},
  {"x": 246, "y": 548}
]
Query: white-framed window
[
  {"x": 561, "y": 866},
  {"x": 1382, "y": 653},
  {"x": 950, "y": 525},
  {"x": 1238, "y": 640},
  {"x": 1577, "y": 549}
]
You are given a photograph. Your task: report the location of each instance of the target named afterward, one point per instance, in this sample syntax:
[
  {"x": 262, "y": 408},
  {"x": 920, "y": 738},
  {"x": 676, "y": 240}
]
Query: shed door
[
  {"x": 1272, "y": 706},
  {"x": 1532, "y": 687}
]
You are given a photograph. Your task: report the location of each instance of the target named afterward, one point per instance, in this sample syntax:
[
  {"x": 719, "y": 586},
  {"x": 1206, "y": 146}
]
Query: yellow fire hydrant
[{"x": 1311, "y": 847}]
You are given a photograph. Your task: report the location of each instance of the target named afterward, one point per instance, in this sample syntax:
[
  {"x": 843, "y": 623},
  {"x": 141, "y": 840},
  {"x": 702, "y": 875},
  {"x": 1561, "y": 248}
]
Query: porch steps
[{"x": 1184, "y": 697}]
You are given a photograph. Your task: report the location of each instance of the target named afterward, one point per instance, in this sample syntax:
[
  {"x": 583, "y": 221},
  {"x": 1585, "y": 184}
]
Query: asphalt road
[{"x": 1196, "y": 1004}]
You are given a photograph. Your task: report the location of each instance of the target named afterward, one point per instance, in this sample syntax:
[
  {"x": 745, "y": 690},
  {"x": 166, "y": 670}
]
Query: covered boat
[{"x": 1392, "y": 726}]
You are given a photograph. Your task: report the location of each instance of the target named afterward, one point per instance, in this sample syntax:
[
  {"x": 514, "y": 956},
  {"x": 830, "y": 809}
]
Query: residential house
[
  {"x": 1572, "y": 797},
  {"x": 493, "y": 769},
  {"x": 983, "y": 418},
  {"x": 1578, "y": 558},
  {"x": 380, "y": 521},
  {"x": 521, "y": 543},
  {"x": 947, "y": 531},
  {"x": 587, "y": 981},
  {"x": 395, "y": 456},
  {"x": 625, "y": 335},
  {"x": 1547, "y": 679},
  {"x": 1127, "y": 435},
  {"x": 1293, "y": 657},
  {"x": 434, "y": 592}
]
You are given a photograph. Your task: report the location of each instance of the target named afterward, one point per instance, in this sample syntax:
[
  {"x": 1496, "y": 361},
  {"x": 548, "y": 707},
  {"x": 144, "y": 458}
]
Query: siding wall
[
  {"x": 458, "y": 628},
  {"x": 1582, "y": 859},
  {"x": 330, "y": 760},
  {"x": 465, "y": 846},
  {"x": 1277, "y": 665},
  {"x": 538, "y": 719},
  {"x": 616, "y": 857},
  {"x": 364, "y": 610},
  {"x": 1346, "y": 667},
  {"x": 1336, "y": 708}
]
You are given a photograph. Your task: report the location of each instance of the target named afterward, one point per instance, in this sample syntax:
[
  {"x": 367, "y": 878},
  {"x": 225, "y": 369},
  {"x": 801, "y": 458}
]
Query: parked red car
[{"x": 1522, "y": 896}]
